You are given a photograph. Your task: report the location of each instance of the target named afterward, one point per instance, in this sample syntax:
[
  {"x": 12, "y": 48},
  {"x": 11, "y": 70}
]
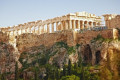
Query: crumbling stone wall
[
  {"x": 3, "y": 37},
  {"x": 26, "y": 41},
  {"x": 85, "y": 37},
  {"x": 71, "y": 37}
]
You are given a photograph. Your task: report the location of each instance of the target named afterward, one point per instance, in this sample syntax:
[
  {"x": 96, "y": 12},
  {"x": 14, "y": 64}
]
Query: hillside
[{"x": 60, "y": 56}]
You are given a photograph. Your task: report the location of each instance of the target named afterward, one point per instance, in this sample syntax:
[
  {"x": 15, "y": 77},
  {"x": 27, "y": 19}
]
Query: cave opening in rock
[
  {"x": 87, "y": 54},
  {"x": 98, "y": 57}
]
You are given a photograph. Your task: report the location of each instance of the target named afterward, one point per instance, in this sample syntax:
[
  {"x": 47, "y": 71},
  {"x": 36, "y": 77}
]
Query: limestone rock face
[
  {"x": 57, "y": 49},
  {"x": 25, "y": 41},
  {"x": 8, "y": 57},
  {"x": 4, "y": 37}
]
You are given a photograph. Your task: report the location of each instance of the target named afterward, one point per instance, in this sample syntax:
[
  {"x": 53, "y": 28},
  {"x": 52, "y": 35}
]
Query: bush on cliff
[
  {"x": 72, "y": 77},
  {"x": 70, "y": 50}
]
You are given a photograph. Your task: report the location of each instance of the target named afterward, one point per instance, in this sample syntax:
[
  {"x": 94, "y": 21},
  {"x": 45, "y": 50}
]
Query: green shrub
[{"x": 72, "y": 77}]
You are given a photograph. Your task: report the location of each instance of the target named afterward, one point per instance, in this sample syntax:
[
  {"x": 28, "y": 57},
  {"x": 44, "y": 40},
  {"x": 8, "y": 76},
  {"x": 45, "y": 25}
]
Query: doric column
[
  {"x": 87, "y": 26},
  {"x": 38, "y": 30},
  {"x": 56, "y": 26},
  {"x": 94, "y": 24},
  {"x": 78, "y": 24},
  {"x": 91, "y": 24},
  {"x": 52, "y": 27},
  {"x": 73, "y": 24},
  {"x": 70, "y": 24},
  {"x": 25, "y": 30},
  {"x": 61, "y": 25},
  {"x": 82, "y": 26},
  {"x": 21, "y": 31},
  {"x": 29, "y": 29},
  {"x": 43, "y": 29},
  {"x": 48, "y": 28},
  {"x": 66, "y": 24},
  {"x": 8, "y": 32},
  {"x": 13, "y": 32},
  {"x": 33, "y": 29},
  {"x": 17, "y": 32}
]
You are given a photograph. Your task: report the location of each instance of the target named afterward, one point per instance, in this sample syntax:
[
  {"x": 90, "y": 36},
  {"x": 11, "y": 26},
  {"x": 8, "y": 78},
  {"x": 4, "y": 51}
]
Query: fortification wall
[
  {"x": 25, "y": 41},
  {"x": 86, "y": 37}
]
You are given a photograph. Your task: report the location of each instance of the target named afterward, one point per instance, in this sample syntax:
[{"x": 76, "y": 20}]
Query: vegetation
[
  {"x": 101, "y": 39},
  {"x": 71, "y": 77},
  {"x": 41, "y": 70},
  {"x": 70, "y": 50},
  {"x": 16, "y": 71}
]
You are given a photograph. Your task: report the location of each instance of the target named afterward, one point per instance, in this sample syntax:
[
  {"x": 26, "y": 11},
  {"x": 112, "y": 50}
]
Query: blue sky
[{"x": 13, "y": 12}]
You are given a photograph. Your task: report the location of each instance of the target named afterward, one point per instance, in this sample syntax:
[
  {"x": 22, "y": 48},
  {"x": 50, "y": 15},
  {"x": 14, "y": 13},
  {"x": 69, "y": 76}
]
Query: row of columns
[{"x": 62, "y": 25}]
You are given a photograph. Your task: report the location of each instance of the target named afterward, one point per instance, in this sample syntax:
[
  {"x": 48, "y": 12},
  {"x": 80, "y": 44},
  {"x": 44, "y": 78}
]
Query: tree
[
  {"x": 72, "y": 77},
  {"x": 64, "y": 70},
  {"x": 80, "y": 62},
  {"x": 3, "y": 77},
  {"x": 69, "y": 67},
  {"x": 16, "y": 71},
  {"x": 57, "y": 74},
  {"x": 35, "y": 75},
  {"x": 105, "y": 74}
]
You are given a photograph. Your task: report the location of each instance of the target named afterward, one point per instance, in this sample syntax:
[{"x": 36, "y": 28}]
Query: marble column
[
  {"x": 38, "y": 30},
  {"x": 13, "y": 33},
  {"x": 61, "y": 25},
  {"x": 17, "y": 32},
  {"x": 91, "y": 24},
  {"x": 56, "y": 26},
  {"x": 87, "y": 26},
  {"x": 25, "y": 30},
  {"x": 82, "y": 25},
  {"x": 66, "y": 24},
  {"x": 33, "y": 29},
  {"x": 52, "y": 27},
  {"x": 78, "y": 24},
  {"x": 94, "y": 24},
  {"x": 29, "y": 29},
  {"x": 21, "y": 31},
  {"x": 73, "y": 24},
  {"x": 43, "y": 29},
  {"x": 8, "y": 33},
  {"x": 48, "y": 28},
  {"x": 70, "y": 24}
]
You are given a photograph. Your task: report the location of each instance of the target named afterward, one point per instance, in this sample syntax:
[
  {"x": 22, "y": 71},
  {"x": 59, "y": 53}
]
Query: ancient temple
[{"x": 78, "y": 20}]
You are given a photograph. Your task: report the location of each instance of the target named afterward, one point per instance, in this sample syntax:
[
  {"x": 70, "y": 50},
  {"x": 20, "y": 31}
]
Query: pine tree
[
  {"x": 35, "y": 75},
  {"x": 57, "y": 74},
  {"x": 16, "y": 71},
  {"x": 64, "y": 70},
  {"x": 80, "y": 62},
  {"x": 2, "y": 77},
  {"x": 69, "y": 67},
  {"x": 75, "y": 66}
]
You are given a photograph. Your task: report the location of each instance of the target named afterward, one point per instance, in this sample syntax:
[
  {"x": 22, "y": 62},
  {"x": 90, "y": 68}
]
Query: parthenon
[{"x": 78, "y": 20}]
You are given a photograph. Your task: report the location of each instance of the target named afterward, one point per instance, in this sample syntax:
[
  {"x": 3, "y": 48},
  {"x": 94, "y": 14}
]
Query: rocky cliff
[{"x": 57, "y": 49}]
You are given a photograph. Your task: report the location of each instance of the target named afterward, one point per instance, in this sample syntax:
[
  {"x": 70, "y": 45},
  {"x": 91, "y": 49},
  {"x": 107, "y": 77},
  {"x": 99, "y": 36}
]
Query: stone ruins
[
  {"x": 112, "y": 20},
  {"x": 78, "y": 20}
]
